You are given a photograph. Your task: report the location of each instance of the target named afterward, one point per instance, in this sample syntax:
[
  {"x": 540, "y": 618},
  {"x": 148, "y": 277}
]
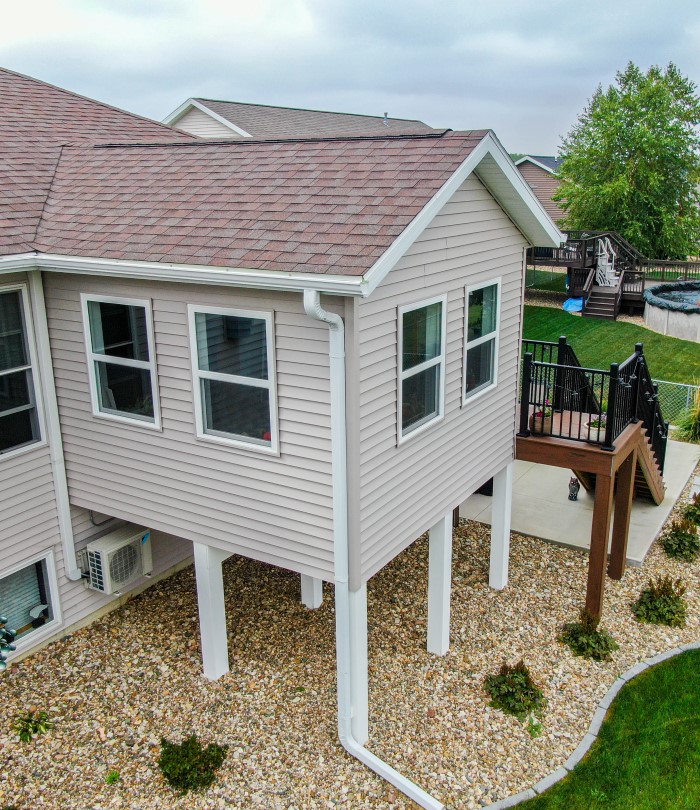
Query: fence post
[
  {"x": 558, "y": 396},
  {"x": 612, "y": 407},
  {"x": 525, "y": 395}
]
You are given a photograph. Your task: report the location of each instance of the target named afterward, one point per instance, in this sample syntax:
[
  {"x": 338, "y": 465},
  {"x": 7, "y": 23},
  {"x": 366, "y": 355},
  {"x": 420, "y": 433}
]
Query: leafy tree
[{"x": 631, "y": 163}]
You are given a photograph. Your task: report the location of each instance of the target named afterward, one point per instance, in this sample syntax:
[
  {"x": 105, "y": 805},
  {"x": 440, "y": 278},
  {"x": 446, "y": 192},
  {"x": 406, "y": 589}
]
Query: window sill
[
  {"x": 25, "y": 448},
  {"x": 478, "y": 394},
  {"x": 239, "y": 445},
  {"x": 407, "y": 437},
  {"x": 125, "y": 420}
]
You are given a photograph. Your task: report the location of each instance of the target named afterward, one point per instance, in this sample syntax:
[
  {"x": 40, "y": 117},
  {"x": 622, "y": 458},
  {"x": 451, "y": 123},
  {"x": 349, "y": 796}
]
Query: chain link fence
[{"x": 675, "y": 398}]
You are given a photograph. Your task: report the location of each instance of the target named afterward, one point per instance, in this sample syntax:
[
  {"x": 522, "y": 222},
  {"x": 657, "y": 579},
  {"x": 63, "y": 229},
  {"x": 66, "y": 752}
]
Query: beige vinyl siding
[
  {"x": 199, "y": 123},
  {"x": 403, "y": 490},
  {"x": 274, "y": 509},
  {"x": 544, "y": 185}
]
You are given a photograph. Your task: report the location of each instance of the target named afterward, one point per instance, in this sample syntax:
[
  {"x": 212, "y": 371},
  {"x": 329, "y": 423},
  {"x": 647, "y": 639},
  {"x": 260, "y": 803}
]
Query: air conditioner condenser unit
[{"x": 118, "y": 558}]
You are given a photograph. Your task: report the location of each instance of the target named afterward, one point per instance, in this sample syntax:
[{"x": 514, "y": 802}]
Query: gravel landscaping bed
[{"x": 115, "y": 688}]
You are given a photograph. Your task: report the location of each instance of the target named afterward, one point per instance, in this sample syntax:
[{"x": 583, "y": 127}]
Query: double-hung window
[
  {"x": 121, "y": 359},
  {"x": 481, "y": 330},
  {"x": 233, "y": 370},
  {"x": 421, "y": 365},
  {"x": 19, "y": 411}
]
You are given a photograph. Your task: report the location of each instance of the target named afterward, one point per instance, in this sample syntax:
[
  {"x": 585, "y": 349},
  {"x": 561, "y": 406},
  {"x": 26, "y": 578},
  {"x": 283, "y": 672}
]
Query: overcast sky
[{"x": 524, "y": 69}]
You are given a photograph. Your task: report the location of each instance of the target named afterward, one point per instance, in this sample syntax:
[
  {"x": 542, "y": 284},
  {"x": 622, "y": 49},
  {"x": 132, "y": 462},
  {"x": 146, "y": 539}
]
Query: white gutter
[
  {"x": 187, "y": 273},
  {"x": 53, "y": 427},
  {"x": 336, "y": 353}
]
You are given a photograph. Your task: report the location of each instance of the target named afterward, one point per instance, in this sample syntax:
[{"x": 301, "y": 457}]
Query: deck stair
[{"x": 602, "y": 302}]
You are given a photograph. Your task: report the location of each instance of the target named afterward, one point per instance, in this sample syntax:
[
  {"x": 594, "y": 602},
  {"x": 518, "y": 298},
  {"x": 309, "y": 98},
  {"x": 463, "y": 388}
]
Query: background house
[
  {"x": 303, "y": 351},
  {"x": 539, "y": 171}
]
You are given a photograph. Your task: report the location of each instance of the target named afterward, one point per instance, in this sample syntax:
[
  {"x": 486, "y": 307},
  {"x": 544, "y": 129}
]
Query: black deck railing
[{"x": 563, "y": 399}]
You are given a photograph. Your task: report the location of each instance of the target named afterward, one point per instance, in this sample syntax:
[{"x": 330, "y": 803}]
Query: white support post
[
  {"x": 311, "y": 591},
  {"x": 502, "y": 501},
  {"x": 439, "y": 585},
  {"x": 212, "y": 609},
  {"x": 359, "y": 687}
]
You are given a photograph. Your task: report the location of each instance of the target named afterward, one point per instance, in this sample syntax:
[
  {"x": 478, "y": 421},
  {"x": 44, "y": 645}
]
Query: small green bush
[
  {"x": 31, "y": 723},
  {"x": 188, "y": 766},
  {"x": 688, "y": 423},
  {"x": 662, "y": 602},
  {"x": 585, "y": 639},
  {"x": 113, "y": 777},
  {"x": 514, "y": 692},
  {"x": 682, "y": 541},
  {"x": 692, "y": 510}
]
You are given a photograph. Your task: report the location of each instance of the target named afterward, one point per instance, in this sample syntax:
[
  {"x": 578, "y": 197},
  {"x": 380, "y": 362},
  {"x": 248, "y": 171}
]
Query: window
[
  {"x": 121, "y": 359},
  {"x": 27, "y": 597},
  {"x": 481, "y": 329},
  {"x": 422, "y": 365},
  {"x": 234, "y": 377},
  {"x": 19, "y": 411}
]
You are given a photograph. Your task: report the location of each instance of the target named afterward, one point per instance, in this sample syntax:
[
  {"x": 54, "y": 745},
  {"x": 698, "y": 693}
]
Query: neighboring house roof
[
  {"x": 37, "y": 120},
  {"x": 266, "y": 121},
  {"x": 548, "y": 163}
]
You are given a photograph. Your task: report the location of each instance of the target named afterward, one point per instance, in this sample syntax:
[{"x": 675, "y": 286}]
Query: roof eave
[
  {"x": 528, "y": 159},
  {"x": 186, "y": 273}
]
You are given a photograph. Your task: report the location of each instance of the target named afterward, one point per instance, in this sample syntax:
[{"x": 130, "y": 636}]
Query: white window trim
[
  {"x": 401, "y": 436},
  {"x": 51, "y": 627},
  {"x": 151, "y": 364},
  {"x": 479, "y": 392},
  {"x": 34, "y": 366},
  {"x": 270, "y": 383}
]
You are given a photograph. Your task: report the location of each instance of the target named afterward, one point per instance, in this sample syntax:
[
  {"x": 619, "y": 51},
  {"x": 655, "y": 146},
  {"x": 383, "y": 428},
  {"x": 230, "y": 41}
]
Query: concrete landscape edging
[{"x": 592, "y": 734}]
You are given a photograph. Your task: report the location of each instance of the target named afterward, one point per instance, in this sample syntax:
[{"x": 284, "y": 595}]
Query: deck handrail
[{"x": 615, "y": 397}]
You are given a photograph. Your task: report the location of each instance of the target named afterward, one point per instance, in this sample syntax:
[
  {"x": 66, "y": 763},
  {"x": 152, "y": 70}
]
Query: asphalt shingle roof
[
  {"x": 316, "y": 206},
  {"x": 263, "y": 121}
]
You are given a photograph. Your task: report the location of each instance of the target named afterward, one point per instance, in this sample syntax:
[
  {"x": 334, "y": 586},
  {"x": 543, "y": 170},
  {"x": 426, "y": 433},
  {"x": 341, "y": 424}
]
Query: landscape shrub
[
  {"x": 31, "y": 723},
  {"x": 513, "y": 691},
  {"x": 188, "y": 766},
  {"x": 692, "y": 510},
  {"x": 662, "y": 602},
  {"x": 681, "y": 540},
  {"x": 688, "y": 423},
  {"x": 587, "y": 640}
]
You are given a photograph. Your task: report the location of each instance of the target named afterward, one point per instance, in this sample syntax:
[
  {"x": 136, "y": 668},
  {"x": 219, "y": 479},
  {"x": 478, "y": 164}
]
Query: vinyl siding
[
  {"x": 202, "y": 125},
  {"x": 403, "y": 490},
  {"x": 544, "y": 185},
  {"x": 274, "y": 509}
]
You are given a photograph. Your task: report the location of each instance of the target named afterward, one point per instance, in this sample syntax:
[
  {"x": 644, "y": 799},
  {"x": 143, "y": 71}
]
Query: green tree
[{"x": 631, "y": 163}]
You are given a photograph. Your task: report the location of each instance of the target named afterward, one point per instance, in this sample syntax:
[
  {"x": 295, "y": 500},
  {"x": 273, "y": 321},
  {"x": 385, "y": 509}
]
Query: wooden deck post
[
  {"x": 623, "y": 511},
  {"x": 600, "y": 534}
]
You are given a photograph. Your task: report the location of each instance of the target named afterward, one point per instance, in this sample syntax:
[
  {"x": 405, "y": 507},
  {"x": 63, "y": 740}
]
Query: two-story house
[{"x": 304, "y": 351}]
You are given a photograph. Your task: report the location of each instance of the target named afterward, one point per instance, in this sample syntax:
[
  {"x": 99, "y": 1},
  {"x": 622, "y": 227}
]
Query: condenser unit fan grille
[{"x": 122, "y": 564}]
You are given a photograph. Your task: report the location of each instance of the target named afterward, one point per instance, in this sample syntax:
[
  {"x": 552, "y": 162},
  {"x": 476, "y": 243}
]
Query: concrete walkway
[{"x": 541, "y": 505}]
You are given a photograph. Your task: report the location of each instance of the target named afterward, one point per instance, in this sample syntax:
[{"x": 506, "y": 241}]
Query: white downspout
[
  {"x": 53, "y": 427},
  {"x": 313, "y": 308}
]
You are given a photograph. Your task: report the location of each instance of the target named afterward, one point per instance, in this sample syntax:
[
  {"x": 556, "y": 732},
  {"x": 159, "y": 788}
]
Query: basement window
[
  {"x": 28, "y": 598},
  {"x": 233, "y": 369},
  {"x": 481, "y": 344},
  {"x": 19, "y": 411},
  {"x": 121, "y": 359},
  {"x": 421, "y": 365}
]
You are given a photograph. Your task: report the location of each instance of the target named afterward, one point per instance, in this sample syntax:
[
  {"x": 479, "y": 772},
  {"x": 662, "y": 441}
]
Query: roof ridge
[
  {"x": 93, "y": 100},
  {"x": 306, "y": 109},
  {"x": 437, "y": 135}
]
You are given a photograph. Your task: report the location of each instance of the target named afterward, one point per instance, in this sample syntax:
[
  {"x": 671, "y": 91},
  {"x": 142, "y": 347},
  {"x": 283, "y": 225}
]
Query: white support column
[
  {"x": 311, "y": 591},
  {"x": 502, "y": 501},
  {"x": 212, "y": 609},
  {"x": 359, "y": 687},
  {"x": 439, "y": 585}
]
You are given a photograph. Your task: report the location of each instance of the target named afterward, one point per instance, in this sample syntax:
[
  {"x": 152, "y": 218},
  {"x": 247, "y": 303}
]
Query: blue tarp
[{"x": 573, "y": 305}]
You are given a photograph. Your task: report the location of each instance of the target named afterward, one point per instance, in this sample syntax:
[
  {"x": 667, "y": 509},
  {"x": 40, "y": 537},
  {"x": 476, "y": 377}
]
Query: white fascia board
[
  {"x": 527, "y": 158},
  {"x": 191, "y": 104},
  {"x": 187, "y": 273},
  {"x": 536, "y": 225}
]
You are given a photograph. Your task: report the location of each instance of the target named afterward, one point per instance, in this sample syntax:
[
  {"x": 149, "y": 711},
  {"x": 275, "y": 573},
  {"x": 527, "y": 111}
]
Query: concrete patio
[{"x": 541, "y": 506}]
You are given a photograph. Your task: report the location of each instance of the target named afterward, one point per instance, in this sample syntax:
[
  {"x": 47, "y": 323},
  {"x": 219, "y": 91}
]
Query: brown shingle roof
[
  {"x": 36, "y": 119},
  {"x": 263, "y": 121},
  {"x": 315, "y": 206}
]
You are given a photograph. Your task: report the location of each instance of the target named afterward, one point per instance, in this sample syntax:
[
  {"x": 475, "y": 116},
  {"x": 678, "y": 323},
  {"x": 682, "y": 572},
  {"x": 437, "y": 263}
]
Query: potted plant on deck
[
  {"x": 596, "y": 426},
  {"x": 541, "y": 418}
]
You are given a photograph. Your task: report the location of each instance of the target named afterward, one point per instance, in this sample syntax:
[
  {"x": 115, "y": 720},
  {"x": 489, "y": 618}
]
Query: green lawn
[
  {"x": 546, "y": 280},
  {"x": 598, "y": 343},
  {"x": 647, "y": 756}
]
